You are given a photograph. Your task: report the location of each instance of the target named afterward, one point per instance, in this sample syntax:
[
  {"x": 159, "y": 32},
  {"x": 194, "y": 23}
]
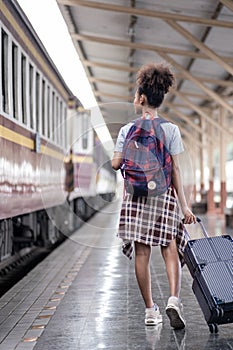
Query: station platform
[{"x": 84, "y": 296}]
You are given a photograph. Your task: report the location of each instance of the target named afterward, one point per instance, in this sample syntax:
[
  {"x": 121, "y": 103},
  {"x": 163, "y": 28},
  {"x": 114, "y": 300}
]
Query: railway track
[{"x": 15, "y": 268}]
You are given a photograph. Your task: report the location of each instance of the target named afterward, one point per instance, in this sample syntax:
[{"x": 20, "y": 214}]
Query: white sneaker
[
  {"x": 153, "y": 316},
  {"x": 174, "y": 311}
]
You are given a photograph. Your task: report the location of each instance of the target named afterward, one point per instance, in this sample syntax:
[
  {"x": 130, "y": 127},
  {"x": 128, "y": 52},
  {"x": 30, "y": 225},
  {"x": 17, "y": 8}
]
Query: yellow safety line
[
  {"x": 16, "y": 137},
  {"x": 52, "y": 153},
  {"x": 82, "y": 159},
  {"x": 24, "y": 141}
]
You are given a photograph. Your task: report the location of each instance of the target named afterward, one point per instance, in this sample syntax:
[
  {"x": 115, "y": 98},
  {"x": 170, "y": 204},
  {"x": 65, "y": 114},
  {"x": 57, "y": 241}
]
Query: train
[{"x": 54, "y": 171}]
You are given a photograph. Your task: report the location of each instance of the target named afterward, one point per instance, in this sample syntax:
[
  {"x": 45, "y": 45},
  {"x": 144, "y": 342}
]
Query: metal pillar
[
  {"x": 210, "y": 193},
  {"x": 222, "y": 160},
  {"x": 202, "y": 157}
]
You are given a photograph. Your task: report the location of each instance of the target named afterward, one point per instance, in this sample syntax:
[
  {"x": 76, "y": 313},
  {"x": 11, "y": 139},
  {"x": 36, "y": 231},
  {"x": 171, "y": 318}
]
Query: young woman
[{"x": 151, "y": 221}]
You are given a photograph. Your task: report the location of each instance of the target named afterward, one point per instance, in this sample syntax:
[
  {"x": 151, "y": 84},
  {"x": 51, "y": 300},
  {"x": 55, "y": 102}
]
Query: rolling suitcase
[{"x": 210, "y": 262}]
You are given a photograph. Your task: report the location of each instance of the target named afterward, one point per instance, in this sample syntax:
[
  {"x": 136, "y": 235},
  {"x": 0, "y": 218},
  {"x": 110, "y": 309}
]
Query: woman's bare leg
[
  {"x": 142, "y": 270},
  {"x": 173, "y": 267},
  {"x": 174, "y": 309}
]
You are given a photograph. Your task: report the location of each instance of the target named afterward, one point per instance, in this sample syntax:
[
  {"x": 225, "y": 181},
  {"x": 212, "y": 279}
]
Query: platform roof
[{"x": 113, "y": 39}]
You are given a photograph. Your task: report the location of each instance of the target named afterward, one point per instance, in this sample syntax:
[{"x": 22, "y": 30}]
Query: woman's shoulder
[
  {"x": 169, "y": 126},
  {"x": 124, "y": 129}
]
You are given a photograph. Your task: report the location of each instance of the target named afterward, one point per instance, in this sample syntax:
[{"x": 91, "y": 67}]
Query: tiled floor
[{"x": 85, "y": 296}]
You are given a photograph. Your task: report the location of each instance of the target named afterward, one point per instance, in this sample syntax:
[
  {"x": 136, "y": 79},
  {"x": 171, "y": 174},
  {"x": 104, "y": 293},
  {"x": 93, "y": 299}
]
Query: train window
[
  {"x": 85, "y": 131},
  {"x": 43, "y": 111},
  {"x": 61, "y": 124},
  {"x": 57, "y": 124},
  {"x": 15, "y": 80},
  {"x": 26, "y": 95},
  {"x": 48, "y": 111},
  {"x": 23, "y": 89},
  {"x": 53, "y": 116},
  {"x": 37, "y": 102},
  {"x": 4, "y": 71},
  {"x": 31, "y": 94},
  {"x": 65, "y": 131}
]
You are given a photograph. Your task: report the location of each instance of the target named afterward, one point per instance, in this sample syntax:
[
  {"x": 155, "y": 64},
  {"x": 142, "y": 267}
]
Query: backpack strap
[{"x": 145, "y": 123}]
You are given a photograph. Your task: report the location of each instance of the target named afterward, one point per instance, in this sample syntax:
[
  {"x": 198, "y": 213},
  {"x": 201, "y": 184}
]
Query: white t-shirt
[{"x": 173, "y": 141}]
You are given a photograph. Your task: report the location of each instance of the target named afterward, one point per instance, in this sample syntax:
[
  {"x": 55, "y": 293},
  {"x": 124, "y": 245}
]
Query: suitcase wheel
[
  {"x": 213, "y": 327},
  {"x": 219, "y": 312}
]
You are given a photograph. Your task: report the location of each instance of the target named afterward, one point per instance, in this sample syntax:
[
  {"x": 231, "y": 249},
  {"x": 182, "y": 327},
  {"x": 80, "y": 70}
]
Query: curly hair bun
[{"x": 154, "y": 80}]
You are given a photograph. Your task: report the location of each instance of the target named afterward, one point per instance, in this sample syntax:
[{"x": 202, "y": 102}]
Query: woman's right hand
[{"x": 189, "y": 217}]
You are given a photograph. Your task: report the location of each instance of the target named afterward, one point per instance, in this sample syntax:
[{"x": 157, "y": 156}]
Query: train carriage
[{"x": 41, "y": 163}]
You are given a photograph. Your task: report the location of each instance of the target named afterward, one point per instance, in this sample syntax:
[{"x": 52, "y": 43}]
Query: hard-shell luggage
[{"x": 210, "y": 262}]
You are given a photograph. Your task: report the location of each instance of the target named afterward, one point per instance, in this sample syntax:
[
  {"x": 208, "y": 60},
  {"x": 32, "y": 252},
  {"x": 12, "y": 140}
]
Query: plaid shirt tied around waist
[{"x": 151, "y": 220}]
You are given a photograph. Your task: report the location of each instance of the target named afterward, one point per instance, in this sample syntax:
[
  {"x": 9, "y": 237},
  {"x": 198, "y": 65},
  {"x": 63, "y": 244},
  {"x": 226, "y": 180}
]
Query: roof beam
[
  {"x": 88, "y": 63},
  {"x": 168, "y": 116},
  {"x": 174, "y": 110},
  {"x": 140, "y": 46},
  {"x": 118, "y": 97},
  {"x": 197, "y": 82},
  {"x": 228, "y": 4},
  {"x": 188, "y": 104},
  {"x": 132, "y": 85},
  {"x": 190, "y": 137},
  {"x": 112, "y": 82},
  {"x": 183, "y": 117},
  {"x": 213, "y": 81},
  {"x": 204, "y": 115},
  {"x": 187, "y": 120},
  {"x": 147, "y": 13},
  {"x": 201, "y": 46},
  {"x": 99, "y": 93},
  {"x": 184, "y": 106},
  {"x": 202, "y": 96}
]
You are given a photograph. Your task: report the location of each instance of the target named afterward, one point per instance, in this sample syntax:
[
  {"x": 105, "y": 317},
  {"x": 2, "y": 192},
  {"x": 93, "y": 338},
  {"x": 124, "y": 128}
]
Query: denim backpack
[{"x": 146, "y": 163}]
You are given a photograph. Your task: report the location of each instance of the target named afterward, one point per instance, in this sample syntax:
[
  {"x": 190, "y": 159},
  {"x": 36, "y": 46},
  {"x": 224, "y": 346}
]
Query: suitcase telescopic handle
[{"x": 202, "y": 227}]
